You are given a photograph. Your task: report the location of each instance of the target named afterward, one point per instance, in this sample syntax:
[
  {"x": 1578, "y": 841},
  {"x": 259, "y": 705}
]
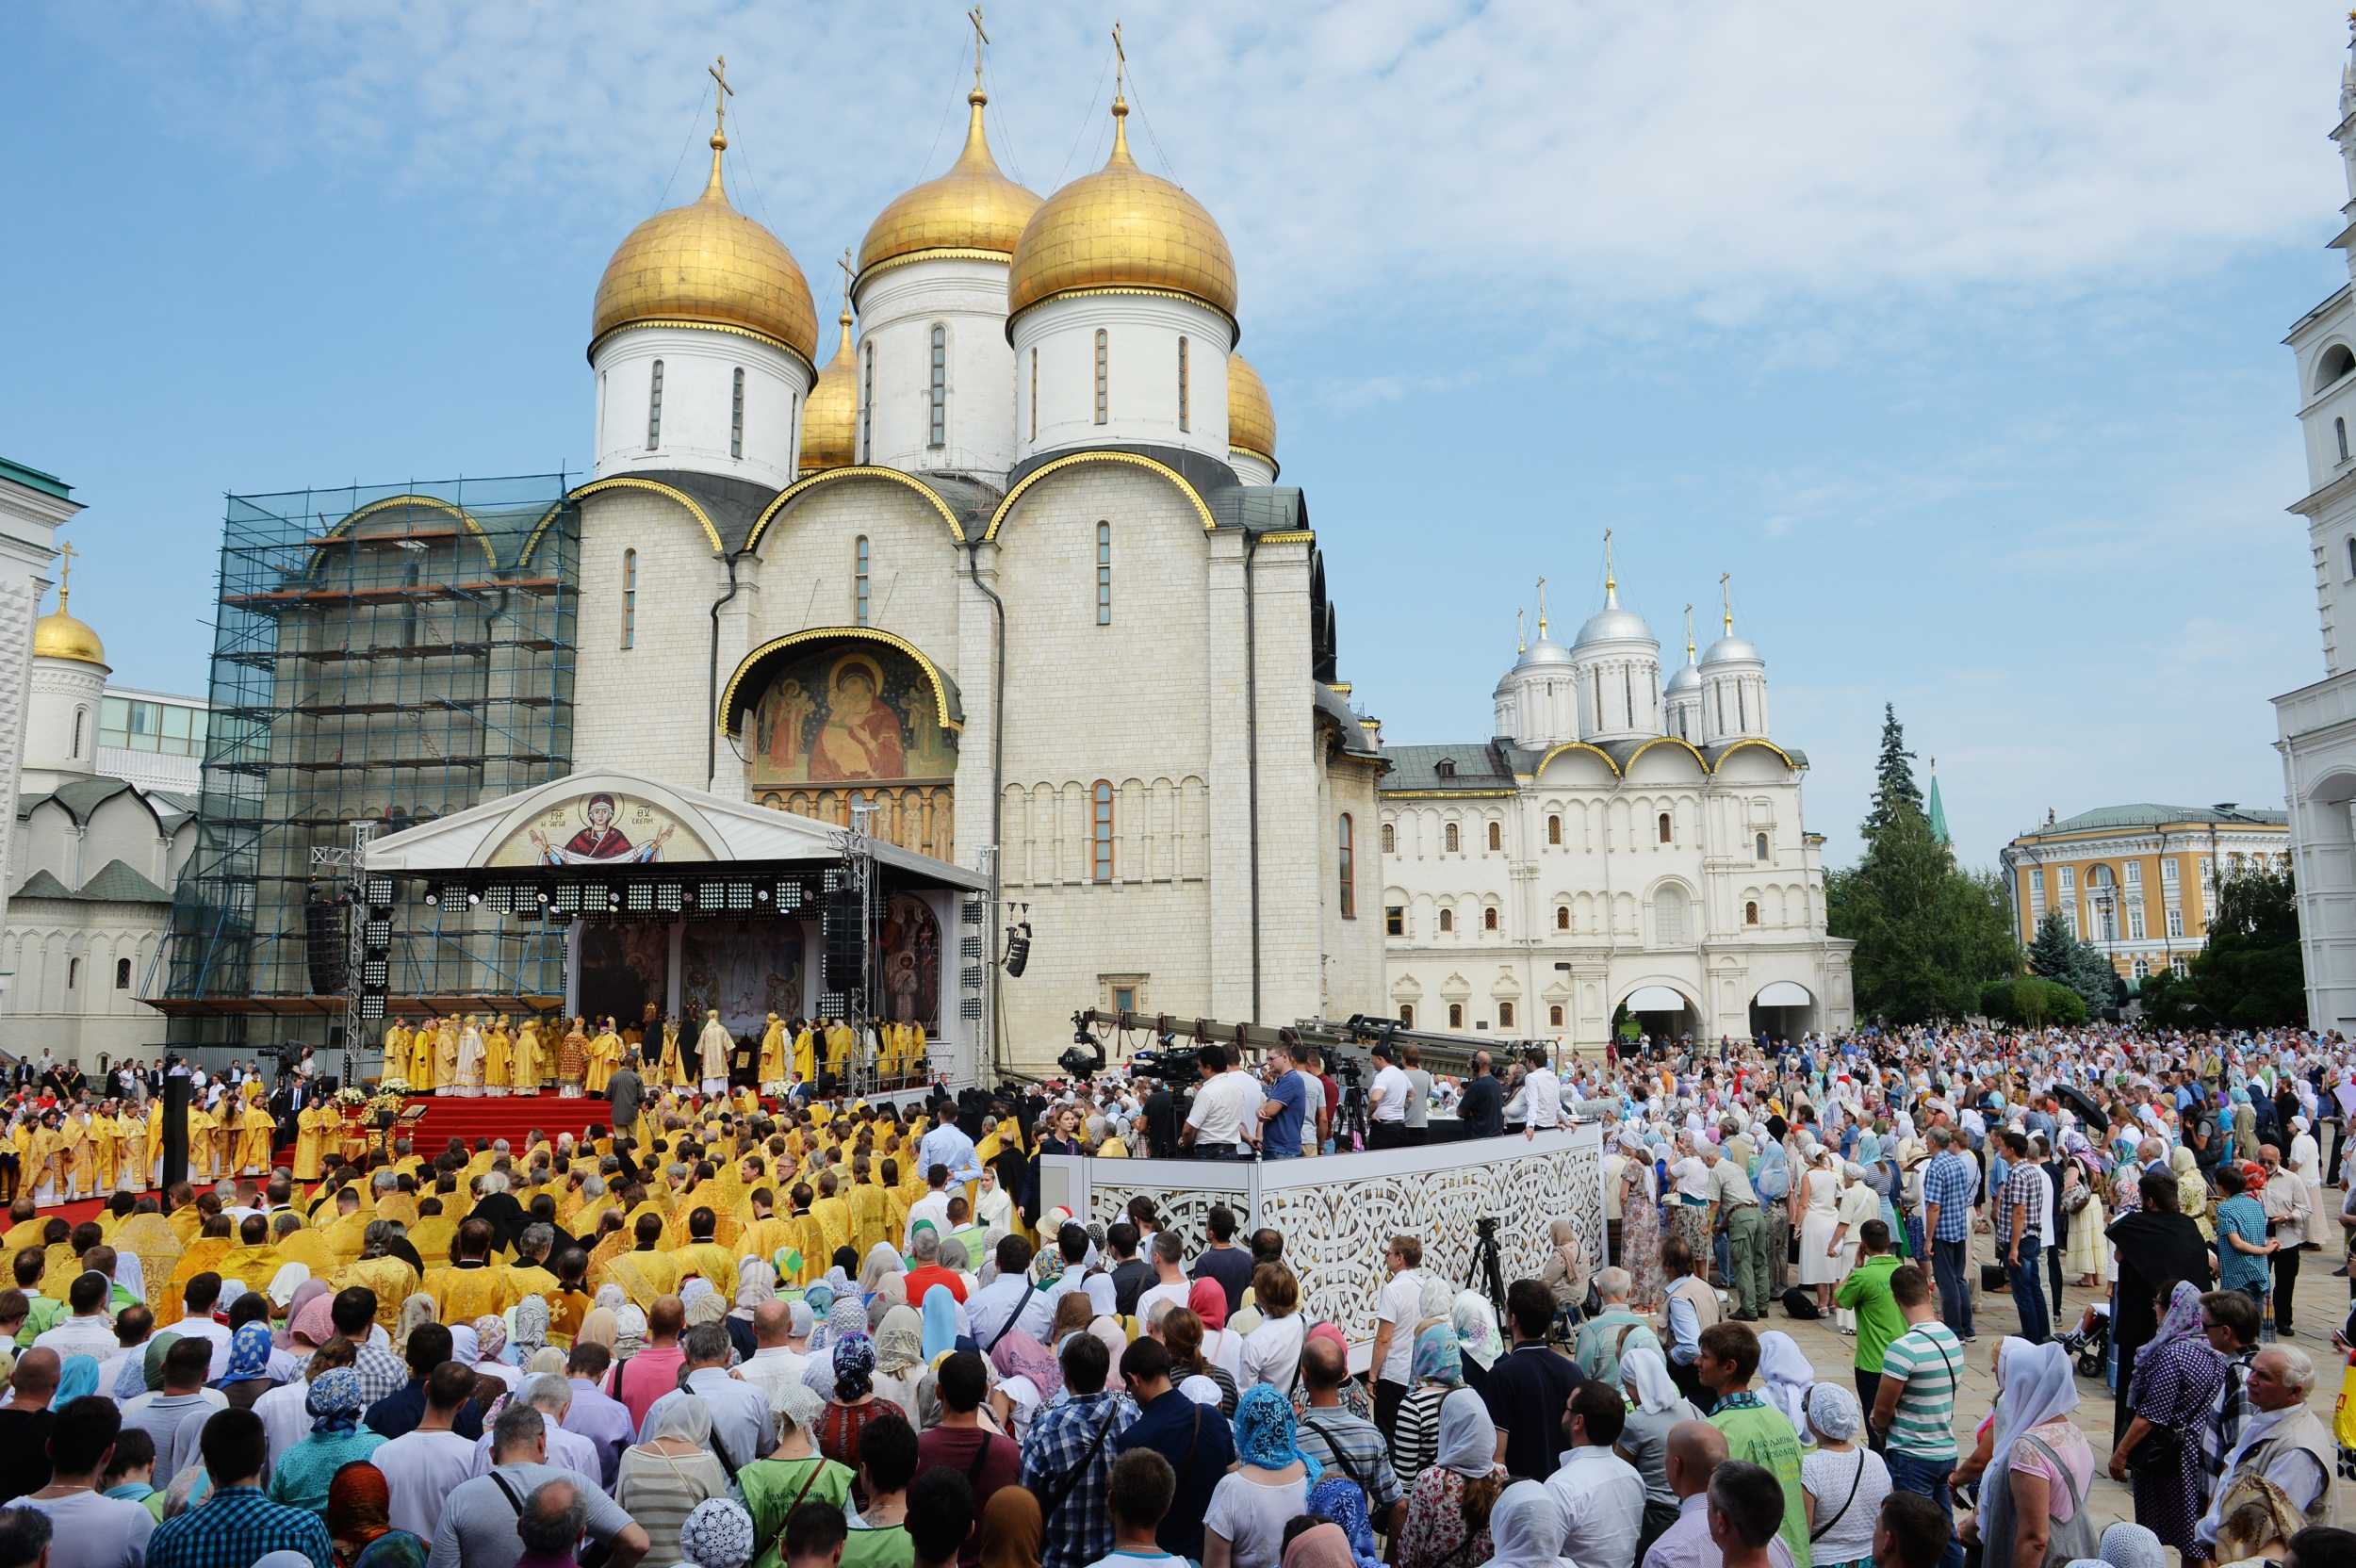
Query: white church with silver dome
[{"x": 1616, "y": 843}]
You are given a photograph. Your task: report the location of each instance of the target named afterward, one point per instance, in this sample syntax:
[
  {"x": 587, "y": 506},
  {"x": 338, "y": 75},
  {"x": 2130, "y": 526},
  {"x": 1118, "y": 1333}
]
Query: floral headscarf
[
  {"x": 2181, "y": 1322},
  {"x": 610, "y": 1297},
  {"x": 854, "y": 1368},
  {"x": 416, "y": 1311},
  {"x": 1437, "y": 1357},
  {"x": 334, "y": 1401},
  {"x": 900, "y": 1340},
  {"x": 716, "y": 1534},
  {"x": 1342, "y": 1501},
  {"x": 531, "y": 1334},
  {"x": 1264, "y": 1434},
  {"x": 630, "y": 1331},
  {"x": 249, "y": 1354},
  {"x": 1475, "y": 1322},
  {"x": 756, "y": 1284},
  {"x": 1017, "y": 1354},
  {"x": 314, "y": 1321},
  {"x": 490, "y": 1333}
]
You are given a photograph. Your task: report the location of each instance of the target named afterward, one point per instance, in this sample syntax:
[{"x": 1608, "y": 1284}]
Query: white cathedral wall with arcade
[{"x": 1338, "y": 1210}]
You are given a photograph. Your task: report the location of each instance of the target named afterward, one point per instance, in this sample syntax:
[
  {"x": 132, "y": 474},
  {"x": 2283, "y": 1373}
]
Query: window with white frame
[
  {"x": 1104, "y": 574},
  {"x": 938, "y": 393},
  {"x": 1103, "y": 377},
  {"x": 2068, "y": 879},
  {"x": 736, "y": 417},
  {"x": 2135, "y": 923},
  {"x": 654, "y": 409},
  {"x": 2175, "y": 923}
]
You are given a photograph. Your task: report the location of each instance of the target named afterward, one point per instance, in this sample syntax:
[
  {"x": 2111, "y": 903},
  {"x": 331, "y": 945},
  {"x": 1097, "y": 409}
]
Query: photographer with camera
[
  {"x": 1285, "y": 1111},
  {"x": 1225, "y": 1116}
]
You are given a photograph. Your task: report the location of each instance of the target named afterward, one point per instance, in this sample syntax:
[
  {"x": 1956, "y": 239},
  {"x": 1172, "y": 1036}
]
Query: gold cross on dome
[
  {"x": 844, "y": 262},
  {"x": 980, "y": 38},
  {"x": 1121, "y": 70},
  {"x": 719, "y": 69},
  {"x": 65, "y": 573}
]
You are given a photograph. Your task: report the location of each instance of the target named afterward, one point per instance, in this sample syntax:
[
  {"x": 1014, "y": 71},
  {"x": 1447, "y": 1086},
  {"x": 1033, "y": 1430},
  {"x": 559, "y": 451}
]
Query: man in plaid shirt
[
  {"x": 1069, "y": 1453},
  {"x": 2017, "y": 1235},
  {"x": 238, "y": 1525},
  {"x": 382, "y": 1373},
  {"x": 1949, "y": 1183}
]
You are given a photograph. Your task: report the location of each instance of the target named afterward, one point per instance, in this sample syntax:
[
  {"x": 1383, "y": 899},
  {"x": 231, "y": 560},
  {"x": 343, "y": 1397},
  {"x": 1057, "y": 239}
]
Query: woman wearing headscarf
[
  {"x": 882, "y": 1259},
  {"x": 630, "y": 1336},
  {"x": 2305, "y": 1158},
  {"x": 2088, "y": 1254},
  {"x": 938, "y": 1323},
  {"x": 756, "y": 1286},
  {"x": 1018, "y": 1355},
  {"x": 1447, "y": 1508},
  {"x": 1859, "y": 1203},
  {"x": 2192, "y": 1189},
  {"x": 1475, "y": 1319},
  {"x": 1012, "y": 1529},
  {"x": 528, "y": 1329},
  {"x": 662, "y": 1479},
  {"x": 1222, "y": 1345},
  {"x": 900, "y": 1358},
  {"x": 246, "y": 1380},
  {"x": 1815, "y": 1201},
  {"x": 1318, "y": 1544},
  {"x": 1841, "y": 1481},
  {"x": 359, "y": 1523},
  {"x": 1565, "y": 1271},
  {"x": 792, "y": 1473},
  {"x": 490, "y": 1336},
  {"x": 1784, "y": 1377},
  {"x": 716, "y": 1533},
  {"x": 1772, "y": 1182},
  {"x": 1527, "y": 1527},
  {"x": 1438, "y": 1371},
  {"x": 852, "y": 1404},
  {"x": 2177, "y": 1377},
  {"x": 1655, "y": 1405},
  {"x": 1244, "y": 1526},
  {"x": 2033, "y": 1508},
  {"x": 2156, "y": 1246},
  {"x": 304, "y": 1475},
  {"x": 2126, "y": 1544},
  {"x": 1342, "y": 1503}
]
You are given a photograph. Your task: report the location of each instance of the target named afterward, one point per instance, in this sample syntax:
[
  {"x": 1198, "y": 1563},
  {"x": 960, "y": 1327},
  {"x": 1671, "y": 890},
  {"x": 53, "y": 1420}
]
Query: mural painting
[
  {"x": 597, "y": 827},
  {"x": 748, "y": 968},
  {"x": 625, "y": 964},
  {"x": 910, "y": 939},
  {"x": 839, "y": 723}
]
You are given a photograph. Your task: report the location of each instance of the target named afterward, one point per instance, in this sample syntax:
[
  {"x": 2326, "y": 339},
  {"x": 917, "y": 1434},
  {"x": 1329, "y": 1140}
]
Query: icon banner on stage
[
  {"x": 747, "y": 969},
  {"x": 598, "y": 827},
  {"x": 840, "y": 723}
]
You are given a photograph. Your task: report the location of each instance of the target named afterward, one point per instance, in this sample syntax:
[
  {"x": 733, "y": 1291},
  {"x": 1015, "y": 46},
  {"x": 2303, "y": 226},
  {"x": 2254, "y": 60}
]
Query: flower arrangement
[
  {"x": 386, "y": 1104},
  {"x": 394, "y": 1086},
  {"x": 351, "y": 1099}
]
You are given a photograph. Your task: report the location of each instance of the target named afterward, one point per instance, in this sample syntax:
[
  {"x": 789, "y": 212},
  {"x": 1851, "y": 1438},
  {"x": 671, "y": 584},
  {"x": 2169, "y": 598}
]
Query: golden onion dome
[
  {"x": 830, "y": 417},
  {"x": 1121, "y": 228},
  {"x": 61, "y": 635},
  {"x": 707, "y": 265},
  {"x": 972, "y": 211},
  {"x": 1250, "y": 418}
]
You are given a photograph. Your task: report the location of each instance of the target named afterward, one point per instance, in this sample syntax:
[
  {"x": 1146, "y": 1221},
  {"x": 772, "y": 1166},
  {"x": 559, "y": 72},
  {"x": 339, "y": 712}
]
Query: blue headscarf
[
  {"x": 1264, "y": 1431},
  {"x": 334, "y": 1402},
  {"x": 249, "y": 1354},
  {"x": 76, "y": 1378},
  {"x": 1438, "y": 1358},
  {"x": 941, "y": 1321},
  {"x": 1342, "y": 1501}
]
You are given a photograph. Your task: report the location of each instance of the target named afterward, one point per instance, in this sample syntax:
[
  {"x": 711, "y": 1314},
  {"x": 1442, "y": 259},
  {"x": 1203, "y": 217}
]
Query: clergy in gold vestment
[
  {"x": 148, "y": 1238},
  {"x": 527, "y": 1073},
  {"x": 711, "y": 1052},
  {"x": 806, "y": 1055},
  {"x": 839, "y": 1043},
  {"x": 671, "y": 1071},
  {"x": 468, "y": 1289},
  {"x": 498, "y": 1057},
  {"x": 572, "y": 1060},
  {"x": 605, "y": 1055},
  {"x": 391, "y": 1278},
  {"x": 299, "y": 1243},
  {"x": 646, "y": 1273},
  {"x": 202, "y": 1255},
  {"x": 258, "y": 1127},
  {"x": 105, "y": 1146},
  {"x": 421, "y": 1057},
  {"x": 312, "y": 1124},
  {"x": 253, "y": 1259},
  {"x": 446, "y": 1057},
  {"x": 870, "y": 1213},
  {"x": 772, "y": 1069}
]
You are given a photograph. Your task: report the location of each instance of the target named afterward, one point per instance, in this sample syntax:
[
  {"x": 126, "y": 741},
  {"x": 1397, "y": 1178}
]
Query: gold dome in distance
[
  {"x": 1250, "y": 418},
  {"x": 1121, "y": 228},
  {"x": 61, "y": 635},
  {"x": 707, "y": 265},
  {"x": 972, "y": 207},
  {"x": 830, "y": 417}
]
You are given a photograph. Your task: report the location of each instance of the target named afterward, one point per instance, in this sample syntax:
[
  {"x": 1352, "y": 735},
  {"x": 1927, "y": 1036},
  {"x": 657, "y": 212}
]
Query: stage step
[{"x": 512, "y": 1118}]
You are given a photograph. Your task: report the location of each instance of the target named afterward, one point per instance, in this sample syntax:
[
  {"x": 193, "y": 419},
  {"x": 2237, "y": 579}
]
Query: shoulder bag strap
[
  {"x": 1340, "y": 1457},
  {"x": 1013, "y": 1317},
  {"x": 1841, "y": 1513},
  {"x": 1070, "y": 1478},
  {"x": 508, "y": 1491},
  {"x": 2060, "y": 1469}
]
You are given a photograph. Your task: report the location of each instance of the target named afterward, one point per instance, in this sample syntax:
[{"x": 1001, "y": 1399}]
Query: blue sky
[{"x": 1953, "y": 331}]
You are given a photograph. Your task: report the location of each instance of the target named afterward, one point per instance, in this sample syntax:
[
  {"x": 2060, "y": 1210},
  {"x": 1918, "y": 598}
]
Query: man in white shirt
[
  {"x": 422, "y": 1467},
  {"x": 780, "y": 1341},
  {"x": 1169, "y": 1277},
  {"x": 85, "y": 1526},
  {"x": 994, "y": 1306},
  {"x": 1601, "y": 1494},
  {"x": 1539, "y": 1100},
  {"x": 1696, "y": 1450},
  {"x": 1225, "y": 1114},
  {"x": 934, "y": 1207},
  {"x": 200, "y": 1296},
  {"x": 742, "y": 1425},
  {"x": 1396, "y": 1311},
  {"x": 552, "y": 1396},
  {"x": 1039, "y": 1310},
  {"x": 1386, "y": 1102},
  {"x": 90, "y": 1332}
]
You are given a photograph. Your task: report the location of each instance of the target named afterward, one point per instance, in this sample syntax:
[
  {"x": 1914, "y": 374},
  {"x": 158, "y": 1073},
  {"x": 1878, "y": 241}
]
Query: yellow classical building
[{"x": 2138, "y": 881}]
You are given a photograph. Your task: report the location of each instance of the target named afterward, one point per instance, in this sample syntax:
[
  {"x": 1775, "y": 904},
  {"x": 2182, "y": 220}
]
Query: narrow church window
[
  {"x": 1101, "y": 871},
  {"x": 940, "y": 387},
  {"x": 1722, "y": 707},
  {"x": 1034, "y": 394},
  {"x": 1758, "y": 846},
  {"x": 1447, "y": 923},
  {"x": 79, "y": 714},
  {"x": 1456, "y": 1015},
  {"x": 1750, "y": 914},
  {"x": 123, "y": 975},
  {"x": 1554, "y": 1017},
  {"x": 654, "y": 410},
  {"x": 1182, "y": 393},
  {"x": 1664, "y": 827},
  {"x": 1407, "y": 1014},
  {"x": 1104, "y": 574},
  {"x": 1103, "y": 364},
  {"x": 629, "y": 598},
  {"x": 860, "y": 556},
  {"x": 1395, "y": 919},
  {"x": 1562, "y": 917},
  {"x": 2351, "y": 555},
  {"x": 736, "y": 415},
  {"x": 1505, "y": 1015},
  {"x": 72, "y": 973},
  {"x": 1390, "y": 839},
  {"x": 1349, "y": 870},
  {"x": 1599, "y": 696},
  {"x": 867, "y": 406},
  {"x": 2339, "y": 429},
  {"x": 1627, "y": 694},
  {"x": 1488, "y": 920},
  {"x": 1554, "y": 830},
  {"x": 1497, "y": 837},
  {"x": 1742, "y": 705},
  {"x": 1453, "y": 841}
]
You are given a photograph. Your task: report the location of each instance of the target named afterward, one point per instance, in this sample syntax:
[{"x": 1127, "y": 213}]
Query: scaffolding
[{"x": 384, "y": 655}]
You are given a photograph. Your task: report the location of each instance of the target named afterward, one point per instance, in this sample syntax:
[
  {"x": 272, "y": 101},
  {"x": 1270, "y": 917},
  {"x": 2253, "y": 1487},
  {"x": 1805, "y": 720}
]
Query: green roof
[
  {"x": 2145, "y": 813},
  {"x": 116, "y": 883},
  {"x": 1937, "y": 813},
  {"x": 41, "y": 885},
  {"x": 33, "y": 478}
]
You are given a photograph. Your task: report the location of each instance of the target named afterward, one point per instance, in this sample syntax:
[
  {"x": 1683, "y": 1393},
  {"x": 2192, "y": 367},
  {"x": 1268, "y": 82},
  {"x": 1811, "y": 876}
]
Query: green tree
[
  {"x": 1894, "y": 789},
  {"x": 2026, "y": 998},
  {"x": 1927, "y": 934},
  {"x": 2251, "y": 977},
  {"x": 2056, "y": 954},
  {"x": 2168, "y": 1000}
]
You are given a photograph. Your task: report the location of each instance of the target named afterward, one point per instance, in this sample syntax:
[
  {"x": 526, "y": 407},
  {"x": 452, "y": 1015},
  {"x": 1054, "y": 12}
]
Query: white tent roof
[
  {"x": 1655, "y": 999},
  {"x": 1785, "y": 993}
]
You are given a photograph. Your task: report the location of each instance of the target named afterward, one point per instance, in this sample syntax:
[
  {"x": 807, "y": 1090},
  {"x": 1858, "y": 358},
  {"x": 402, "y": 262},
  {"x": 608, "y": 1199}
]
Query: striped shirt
[{"x": 1927, "y": 1359}]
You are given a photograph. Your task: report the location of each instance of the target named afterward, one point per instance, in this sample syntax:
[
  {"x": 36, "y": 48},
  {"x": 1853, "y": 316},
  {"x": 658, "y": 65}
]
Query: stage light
[
  {"x": 375, "y": 972},
  {"x": 670, "y": 897},
  {"x": 380, "y": 890},
  {"x": 640, "y": 899},
  {"x": 762, "y": 893},
  {"x": 432, "y": 897},
  {"x": 542, "y": 896},
  {"x": 473, "y": 897}
]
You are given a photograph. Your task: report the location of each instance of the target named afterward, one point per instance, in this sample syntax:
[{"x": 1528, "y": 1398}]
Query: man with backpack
[
  {"x": 1194, "y": 1438},
  {"x": 1344, "y": 1443}
]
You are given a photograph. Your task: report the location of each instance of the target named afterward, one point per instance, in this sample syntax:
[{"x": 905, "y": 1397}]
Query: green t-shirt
[
  {"x": 773, "y": 1487},
  {"x": 1865, "y": 1291},
  {"x": 888, "y": 1547},
  {"x": 1759, "y": 1433}
]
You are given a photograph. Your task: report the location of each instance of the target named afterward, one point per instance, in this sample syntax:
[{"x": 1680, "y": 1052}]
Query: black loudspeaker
[
  {"x": 844, "y": 943},
  {"x": 175, "y": 1126},
  {"x": 326, "y": 940}
]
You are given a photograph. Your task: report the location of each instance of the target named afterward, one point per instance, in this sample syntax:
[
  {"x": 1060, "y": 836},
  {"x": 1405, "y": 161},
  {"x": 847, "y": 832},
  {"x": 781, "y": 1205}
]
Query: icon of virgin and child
[{"x": 836, "y": 718}]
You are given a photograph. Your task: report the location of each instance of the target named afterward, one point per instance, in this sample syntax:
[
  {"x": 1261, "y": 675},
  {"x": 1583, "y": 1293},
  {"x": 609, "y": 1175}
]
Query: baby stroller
[{"x": 2089, "y": 1344}]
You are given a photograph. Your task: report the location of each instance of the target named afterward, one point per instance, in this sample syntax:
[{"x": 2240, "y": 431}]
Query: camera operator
[
  {"x": 1285, "y": 1111},
  {"x": 1386, "y": 1102},
  {"x": 1225, "y": 1117}
]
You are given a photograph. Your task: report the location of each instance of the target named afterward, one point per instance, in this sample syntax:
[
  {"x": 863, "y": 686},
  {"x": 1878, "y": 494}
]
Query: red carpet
[{"x": 513, "y": 1117}]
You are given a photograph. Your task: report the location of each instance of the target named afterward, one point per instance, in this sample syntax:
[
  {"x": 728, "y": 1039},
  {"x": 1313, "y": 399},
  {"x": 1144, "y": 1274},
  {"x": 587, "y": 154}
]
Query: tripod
[{"x": 1485, "y": 1270}]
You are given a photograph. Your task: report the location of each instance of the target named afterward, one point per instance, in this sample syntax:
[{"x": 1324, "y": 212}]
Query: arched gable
[
  {"x": 1136, "y": 459},
  {"x": 736, "y": 697},
  {"x": 465, "y": 518},
  {"x": 631, "y": 481},
  {"x": 801, "y": 487}
]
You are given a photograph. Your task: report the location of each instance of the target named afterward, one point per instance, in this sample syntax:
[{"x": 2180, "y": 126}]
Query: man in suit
[{"x": 626, "y": 1090}]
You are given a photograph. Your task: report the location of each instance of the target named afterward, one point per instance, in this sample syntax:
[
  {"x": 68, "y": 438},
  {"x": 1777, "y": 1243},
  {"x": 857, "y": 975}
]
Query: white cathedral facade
[{"x": 1614, "y": 844}]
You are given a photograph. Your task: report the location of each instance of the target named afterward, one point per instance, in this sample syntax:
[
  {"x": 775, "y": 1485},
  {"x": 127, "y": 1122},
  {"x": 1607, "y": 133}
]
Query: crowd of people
[{"x": 726, "y": 1330}]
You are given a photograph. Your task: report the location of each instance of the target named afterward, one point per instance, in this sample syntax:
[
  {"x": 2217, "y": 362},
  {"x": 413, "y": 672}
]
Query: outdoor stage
[{"x": 1337, "y": 1211}]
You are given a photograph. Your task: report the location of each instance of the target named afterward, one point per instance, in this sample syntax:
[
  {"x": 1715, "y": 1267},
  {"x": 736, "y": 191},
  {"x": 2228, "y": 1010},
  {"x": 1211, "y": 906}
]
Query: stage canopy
[
  {"x": 1655, "y": 999},
  {"x": 1785, "y": 993}
]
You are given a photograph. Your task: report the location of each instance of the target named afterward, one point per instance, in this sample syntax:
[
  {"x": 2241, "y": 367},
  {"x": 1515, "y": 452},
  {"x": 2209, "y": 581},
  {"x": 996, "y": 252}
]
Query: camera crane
[{"x": 1441, "y": 1052}]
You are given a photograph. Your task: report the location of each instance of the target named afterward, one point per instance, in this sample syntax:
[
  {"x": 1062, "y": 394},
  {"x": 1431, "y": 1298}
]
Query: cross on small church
[
  {"x": 65, "y": 573},
  {"x": 720, "y": 99},
  {"x": 980, "y": 38},
  {"x": 1120, "y": 69}
]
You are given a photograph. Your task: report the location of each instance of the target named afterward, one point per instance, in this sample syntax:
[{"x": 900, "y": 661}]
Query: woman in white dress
[
  {"x": 1859, "y": 1203},
  {"x": 2306, "y": 1158},
  {"x": 1816, "y": 1201}
]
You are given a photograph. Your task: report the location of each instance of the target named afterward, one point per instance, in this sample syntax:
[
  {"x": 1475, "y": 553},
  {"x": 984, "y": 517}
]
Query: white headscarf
[
  {"x": 2036, "y": 1384},
  {"x": 1645, "y": 1372},
  {"x": 686, "y": 1417},
  {"x": 1526, "y": 1528},
  {"x": 1468, "y": 1439},
  {"x": 1475, "y": 1322},
  {"x": 1786, "y": 1375}
]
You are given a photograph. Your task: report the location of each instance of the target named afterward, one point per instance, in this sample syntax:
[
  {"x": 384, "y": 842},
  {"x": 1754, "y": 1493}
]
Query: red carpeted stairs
[{"x": 513, "y": 1117}]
